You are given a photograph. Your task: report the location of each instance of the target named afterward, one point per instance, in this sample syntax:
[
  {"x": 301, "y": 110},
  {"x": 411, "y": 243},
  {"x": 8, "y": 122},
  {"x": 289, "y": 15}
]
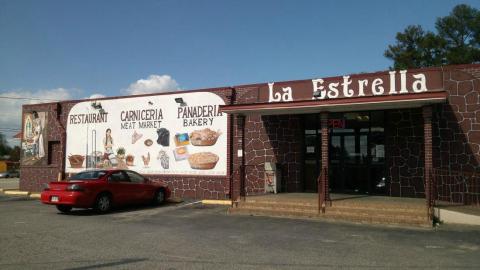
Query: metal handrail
[{"x": 323, "y": 195}]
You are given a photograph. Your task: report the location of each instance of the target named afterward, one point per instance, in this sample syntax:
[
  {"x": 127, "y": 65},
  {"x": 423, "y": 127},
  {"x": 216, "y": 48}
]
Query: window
[
  {"x": 88, "y": 175},
  {"x": 118, "y": 177},
  {"x": 135, "y": 177}
]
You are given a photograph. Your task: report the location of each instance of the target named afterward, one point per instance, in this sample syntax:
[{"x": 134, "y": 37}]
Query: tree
[
  {"x": 15, "y": 153},
  {"x": 457, "y": 41},
  {"x": 4, "y": 147}
]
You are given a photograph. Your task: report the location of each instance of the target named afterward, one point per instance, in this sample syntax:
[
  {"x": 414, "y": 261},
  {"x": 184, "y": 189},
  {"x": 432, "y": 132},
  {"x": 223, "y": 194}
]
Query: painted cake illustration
[
  {"x": 203, "y": 160},
  {"x": 204, "y": 137}
]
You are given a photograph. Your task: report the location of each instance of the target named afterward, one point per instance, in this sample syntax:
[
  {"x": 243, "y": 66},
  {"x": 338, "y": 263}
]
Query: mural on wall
[
  {"x": 34, "y": 142},
  {"x": 165, "y": 134}
]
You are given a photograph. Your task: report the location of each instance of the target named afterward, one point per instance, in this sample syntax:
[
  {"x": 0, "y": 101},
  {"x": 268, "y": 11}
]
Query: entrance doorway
[{"x": 356, "y": 152}]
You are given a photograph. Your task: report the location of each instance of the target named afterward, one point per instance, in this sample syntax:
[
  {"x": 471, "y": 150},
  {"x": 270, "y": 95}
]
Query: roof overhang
[{"x": 338, "y": 105}]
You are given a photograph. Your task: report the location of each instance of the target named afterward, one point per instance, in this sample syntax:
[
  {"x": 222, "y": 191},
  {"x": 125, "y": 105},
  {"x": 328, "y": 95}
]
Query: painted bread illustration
[
  {"x": 76, "y": 161},
  {"x": 204, "y": 137}
]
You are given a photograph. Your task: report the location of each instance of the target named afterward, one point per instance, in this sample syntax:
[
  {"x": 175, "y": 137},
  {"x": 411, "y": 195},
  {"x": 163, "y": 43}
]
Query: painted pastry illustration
[
  {"x": 164, "y": 159},
  {"x": 203, "y": 160},
  {"x": 163, "y": 137},
  {"x": 136, "y": 136},
  {"x": 146, "y": 160},
  {"x": 148, "y": 142},
  {"x": 129, "y": 160},
  {"x": 204, "y": 137},
  {"x": 181, "y": 139},
  {"x": 180, "y": 153}
]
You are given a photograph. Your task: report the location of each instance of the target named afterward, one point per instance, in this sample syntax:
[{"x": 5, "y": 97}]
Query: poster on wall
[
  {"x": 181, "y": 133},
  {"x": 34, "y": 138}
]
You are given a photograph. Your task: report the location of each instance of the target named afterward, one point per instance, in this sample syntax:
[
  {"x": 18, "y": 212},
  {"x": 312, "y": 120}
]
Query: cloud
[
  {"x": 153, "y": 84},
  {"x": 11, "y": 107},
  {"x": 96, "y": 95}
]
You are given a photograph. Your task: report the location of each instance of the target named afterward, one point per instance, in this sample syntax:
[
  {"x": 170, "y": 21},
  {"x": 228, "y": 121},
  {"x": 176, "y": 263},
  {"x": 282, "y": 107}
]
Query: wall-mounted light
[
  {"x": 150, "y": 103},
  {"x": 181, "y": 102},
  {"x": 96, "y": 105},
  {"x": 316, "y": 94}
]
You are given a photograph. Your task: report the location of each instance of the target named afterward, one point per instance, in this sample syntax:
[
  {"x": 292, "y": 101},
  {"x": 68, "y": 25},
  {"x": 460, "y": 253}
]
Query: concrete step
[
  {"x": 351, "y": 217},
  {"x": 373, "y": 209},
  {"x": 355, "y": 214},
  {"x": 349, "y": 203},
  {"x": 338, "y": 211},
  {"x": 379, "y": 219}
]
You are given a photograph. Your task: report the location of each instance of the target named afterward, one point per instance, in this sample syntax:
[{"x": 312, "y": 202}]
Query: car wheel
[
  {"x": 64, "y": 208},
  {"x": 159, "y": 197},
  {"x": 103, "y": 204}
]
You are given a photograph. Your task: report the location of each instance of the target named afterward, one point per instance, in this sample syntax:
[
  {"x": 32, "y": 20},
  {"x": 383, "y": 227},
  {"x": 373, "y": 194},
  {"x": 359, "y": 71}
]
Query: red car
[{"x": 103, "y": 189}]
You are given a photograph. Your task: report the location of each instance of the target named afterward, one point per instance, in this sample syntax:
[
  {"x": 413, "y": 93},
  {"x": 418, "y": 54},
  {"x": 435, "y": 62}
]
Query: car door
[
  {"x": 121, "y": 188},
  {"x": 142, "y": 191}
]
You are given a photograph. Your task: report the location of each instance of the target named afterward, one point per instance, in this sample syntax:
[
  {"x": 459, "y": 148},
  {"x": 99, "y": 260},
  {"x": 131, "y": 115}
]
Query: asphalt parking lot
[{"x": 194, "y": 236}]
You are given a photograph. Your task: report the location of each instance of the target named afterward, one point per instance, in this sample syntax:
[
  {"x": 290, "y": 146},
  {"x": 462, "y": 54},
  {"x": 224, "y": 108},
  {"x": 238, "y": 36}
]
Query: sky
[{"x": 58, "y": 50}]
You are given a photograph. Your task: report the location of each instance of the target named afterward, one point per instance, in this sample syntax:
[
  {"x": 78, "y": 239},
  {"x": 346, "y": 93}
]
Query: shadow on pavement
[
  {"x": 109, "y": 264},
  {"x": 120, "y": 209}
]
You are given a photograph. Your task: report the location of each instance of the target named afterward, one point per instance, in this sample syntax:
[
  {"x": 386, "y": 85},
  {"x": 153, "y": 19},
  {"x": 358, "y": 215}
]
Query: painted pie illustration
[
  {"x": 203, "y": 160},
  {"x": 204, "y": 137}
]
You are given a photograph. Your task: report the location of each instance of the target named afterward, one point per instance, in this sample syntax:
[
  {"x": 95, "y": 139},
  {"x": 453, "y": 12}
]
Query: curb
[
  {"x": 175, "y": 199},
  {"x": 34, "y": 195},
  {"x": 7, "y": 189},
  {"x": 16, "y": 192},
  {"x": 218, "y": 202},
  {"x": 455, "y": 217}
]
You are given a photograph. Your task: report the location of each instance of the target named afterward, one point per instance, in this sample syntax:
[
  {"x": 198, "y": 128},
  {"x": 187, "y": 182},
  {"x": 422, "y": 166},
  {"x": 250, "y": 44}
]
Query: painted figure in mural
[
  {"x": 35, "y": 145},
  {"x": 38, "y": 137},
  {"x": 108, "y": 155}
]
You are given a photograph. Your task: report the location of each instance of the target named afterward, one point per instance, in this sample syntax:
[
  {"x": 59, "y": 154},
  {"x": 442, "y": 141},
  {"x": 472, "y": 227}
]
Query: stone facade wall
[
  {"x": 455, "y": 135},
  {"x": 404, "y": 152},
  {"x": 32, "y": 178},
  {"x": 276, "y": 139},
  {"x": 456, "y": 124}
]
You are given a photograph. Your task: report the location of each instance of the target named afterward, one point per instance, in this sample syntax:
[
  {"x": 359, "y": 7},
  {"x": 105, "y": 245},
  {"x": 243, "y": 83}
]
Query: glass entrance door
[
  {"x": 348, "y": 161},
  {"x": 356, "y": 152}
]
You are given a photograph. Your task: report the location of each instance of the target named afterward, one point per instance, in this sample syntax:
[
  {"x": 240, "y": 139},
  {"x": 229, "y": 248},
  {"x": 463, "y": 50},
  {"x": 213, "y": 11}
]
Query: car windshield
[{"x": 88, "y": 175}]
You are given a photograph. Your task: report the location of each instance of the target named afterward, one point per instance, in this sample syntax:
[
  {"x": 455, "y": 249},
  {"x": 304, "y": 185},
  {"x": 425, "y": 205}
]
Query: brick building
[{"x": 387, "y": 133}]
